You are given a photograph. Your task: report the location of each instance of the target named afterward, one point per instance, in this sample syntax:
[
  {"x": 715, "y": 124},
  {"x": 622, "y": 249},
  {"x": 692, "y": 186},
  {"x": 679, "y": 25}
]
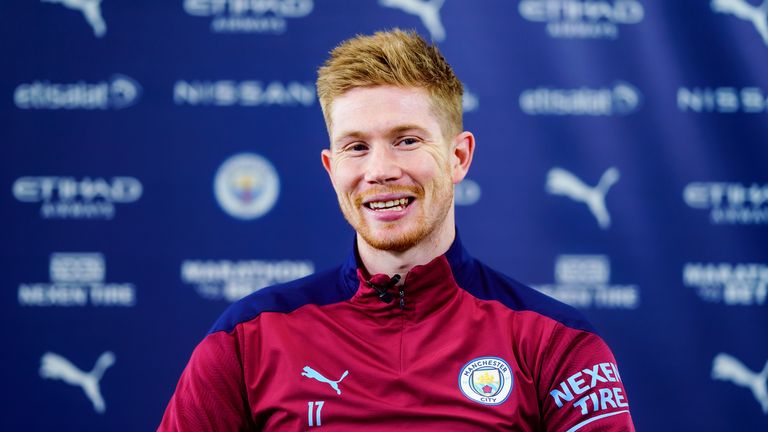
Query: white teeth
[
  {"x": 396, "y": 208},
  {"x": 397, "y": 204}
]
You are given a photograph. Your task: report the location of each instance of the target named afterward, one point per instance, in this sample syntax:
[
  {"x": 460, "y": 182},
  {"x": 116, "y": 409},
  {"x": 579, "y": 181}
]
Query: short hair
[{"x": 397, "y": 58}]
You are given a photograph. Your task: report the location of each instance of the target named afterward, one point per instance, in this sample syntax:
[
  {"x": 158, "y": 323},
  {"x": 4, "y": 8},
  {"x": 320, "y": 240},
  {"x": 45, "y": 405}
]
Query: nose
[{"x": 382, "y": 165}]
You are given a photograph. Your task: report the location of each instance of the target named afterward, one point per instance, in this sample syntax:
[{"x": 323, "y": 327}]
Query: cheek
[{"x": 343, "y": 176}]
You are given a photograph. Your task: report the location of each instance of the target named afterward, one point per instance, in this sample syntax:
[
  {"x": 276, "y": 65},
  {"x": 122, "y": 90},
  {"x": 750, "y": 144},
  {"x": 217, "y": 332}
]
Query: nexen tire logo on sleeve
[
  {"x": 118, "y": 92},
  {"x": 592, "y": 382},
  {"x": 249, "y": 16},
  {"x": 621, "y": 99}
]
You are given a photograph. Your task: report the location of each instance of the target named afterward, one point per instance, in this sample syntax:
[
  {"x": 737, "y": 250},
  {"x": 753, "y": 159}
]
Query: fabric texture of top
[{"x": 460, "y": 347}]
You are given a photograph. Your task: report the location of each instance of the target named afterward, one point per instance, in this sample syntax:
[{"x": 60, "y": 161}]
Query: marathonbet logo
[
  {"x": 77, "y": 279},
  {"x": 729, "y": 203},
  {"x": 582, "y": 19},
  {"x": 743, "y": 284},
  {"x": 249, "y": 16},
  {"x": 233, "y": 280}
]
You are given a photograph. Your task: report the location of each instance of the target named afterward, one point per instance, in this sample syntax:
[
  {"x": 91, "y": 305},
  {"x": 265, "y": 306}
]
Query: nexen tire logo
[
  {"x": 77, "y": 279},
  {"x": 622, "y": 99},
  {"x": 583, "y": 281},
  {"x": 582, "y": 18},
  {"x": 118, "y": 92}
]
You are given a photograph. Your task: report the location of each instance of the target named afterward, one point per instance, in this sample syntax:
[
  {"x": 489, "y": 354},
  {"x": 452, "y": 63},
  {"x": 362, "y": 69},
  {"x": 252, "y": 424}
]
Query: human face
[{"x": 391, "y": 167}]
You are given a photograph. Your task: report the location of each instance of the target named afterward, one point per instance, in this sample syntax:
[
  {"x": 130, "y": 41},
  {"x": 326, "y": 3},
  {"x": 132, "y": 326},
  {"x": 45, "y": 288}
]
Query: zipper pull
[{"x": 402, "y": 296}]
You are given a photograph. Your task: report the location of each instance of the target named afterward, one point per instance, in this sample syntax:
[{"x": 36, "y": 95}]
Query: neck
[{"x": 377, "y": 261}]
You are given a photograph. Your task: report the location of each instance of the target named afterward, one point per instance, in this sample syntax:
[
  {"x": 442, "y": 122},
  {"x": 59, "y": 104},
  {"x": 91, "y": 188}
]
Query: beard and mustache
[{"x": 433, "y": 201}]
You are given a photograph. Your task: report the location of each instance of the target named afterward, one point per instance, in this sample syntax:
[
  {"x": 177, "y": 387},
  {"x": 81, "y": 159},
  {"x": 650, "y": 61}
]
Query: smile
[{"x": 389, "y": 205}]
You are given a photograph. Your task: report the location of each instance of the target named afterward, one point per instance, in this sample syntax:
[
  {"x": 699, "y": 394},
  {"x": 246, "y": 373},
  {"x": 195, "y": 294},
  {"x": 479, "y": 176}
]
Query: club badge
[{"x": 486, "y": 380}]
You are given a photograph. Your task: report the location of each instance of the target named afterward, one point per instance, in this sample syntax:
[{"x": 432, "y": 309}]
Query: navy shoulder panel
[
  {"x": 319, "y": 288},
  {"x": 487, "y": 284}
]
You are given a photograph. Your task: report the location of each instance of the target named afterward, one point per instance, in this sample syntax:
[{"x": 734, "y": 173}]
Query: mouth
[{"x": 389, "y": 205}]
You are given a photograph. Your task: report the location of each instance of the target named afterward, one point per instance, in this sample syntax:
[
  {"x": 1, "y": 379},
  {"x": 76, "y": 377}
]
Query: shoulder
[
  {"x": 320, "y": 288},
  {"x": 486, "y": 283}
]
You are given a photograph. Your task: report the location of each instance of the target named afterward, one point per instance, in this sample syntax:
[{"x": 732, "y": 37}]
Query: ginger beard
[{"x": 433, "y": 202}]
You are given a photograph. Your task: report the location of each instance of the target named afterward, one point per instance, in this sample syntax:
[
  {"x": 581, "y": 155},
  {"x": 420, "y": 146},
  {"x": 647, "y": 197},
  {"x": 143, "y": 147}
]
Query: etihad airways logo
[
  {"x": 729, "y": 203},
  {"x": 428, "y": 12},
  {"x": 621, "y": 99},
  {"x": 249, "y": 16},
  {"x": 722, "y": 100},
  {"x": 224, "y": 93},
  {"x": 70, "y": 198},
  {"x": 583, "y": 281},
  {"x": 91, "y": 10},
  {"x": 744, "y": 284},
  {"x": 118, "y": 92},
  {"x": 582, "y": 19}
]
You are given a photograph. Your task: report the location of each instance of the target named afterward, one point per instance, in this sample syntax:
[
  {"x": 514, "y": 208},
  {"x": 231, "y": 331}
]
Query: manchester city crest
[{"x": 486, "y": 380}]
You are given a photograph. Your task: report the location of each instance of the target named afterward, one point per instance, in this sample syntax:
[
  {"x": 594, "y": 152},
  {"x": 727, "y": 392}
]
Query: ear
[
  {"x": 325, "y": 156},
  {"x": 463, "y": 150}
]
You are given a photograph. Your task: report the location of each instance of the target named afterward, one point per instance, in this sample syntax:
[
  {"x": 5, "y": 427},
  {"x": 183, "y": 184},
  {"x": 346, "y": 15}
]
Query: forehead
[{"x": 381, "y": 108}]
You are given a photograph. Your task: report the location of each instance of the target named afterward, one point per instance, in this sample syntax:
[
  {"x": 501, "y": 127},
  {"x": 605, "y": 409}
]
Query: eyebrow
[{"x": 392, "y": 132}]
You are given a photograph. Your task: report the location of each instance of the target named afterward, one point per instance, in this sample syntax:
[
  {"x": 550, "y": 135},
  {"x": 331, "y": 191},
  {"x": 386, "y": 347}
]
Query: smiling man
[{"x": 411, "y": 331}]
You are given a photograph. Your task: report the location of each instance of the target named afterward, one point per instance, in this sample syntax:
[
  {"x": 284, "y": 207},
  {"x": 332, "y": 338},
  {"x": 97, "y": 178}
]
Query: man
[{"x": 411, "y": 332}]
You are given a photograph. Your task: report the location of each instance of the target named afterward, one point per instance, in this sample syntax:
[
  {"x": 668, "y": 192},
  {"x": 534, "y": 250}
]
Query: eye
[
  {"x": 356, "y": 147},
  {"x": 408, "y": 141}
]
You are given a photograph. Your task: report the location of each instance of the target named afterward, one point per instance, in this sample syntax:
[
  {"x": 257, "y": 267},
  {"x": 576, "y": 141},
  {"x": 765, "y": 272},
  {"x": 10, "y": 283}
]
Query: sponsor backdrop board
[{"x": 161, "y": 160}]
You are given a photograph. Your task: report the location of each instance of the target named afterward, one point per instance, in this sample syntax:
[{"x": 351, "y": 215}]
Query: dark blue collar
[{"x": 459, "y": 259}]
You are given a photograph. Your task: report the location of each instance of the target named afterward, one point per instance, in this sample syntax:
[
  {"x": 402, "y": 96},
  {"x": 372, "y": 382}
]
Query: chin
[{"x": 396, "y": 240}]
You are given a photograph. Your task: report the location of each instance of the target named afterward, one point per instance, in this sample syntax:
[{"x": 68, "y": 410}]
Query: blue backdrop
[{"x": 161, "y": 159}]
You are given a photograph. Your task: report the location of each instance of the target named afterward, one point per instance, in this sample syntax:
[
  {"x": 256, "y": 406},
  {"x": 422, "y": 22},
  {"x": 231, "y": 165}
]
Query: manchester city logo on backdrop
[
  {"x": 486, "y": 380},
  {"x": 246, "y": 186}
]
